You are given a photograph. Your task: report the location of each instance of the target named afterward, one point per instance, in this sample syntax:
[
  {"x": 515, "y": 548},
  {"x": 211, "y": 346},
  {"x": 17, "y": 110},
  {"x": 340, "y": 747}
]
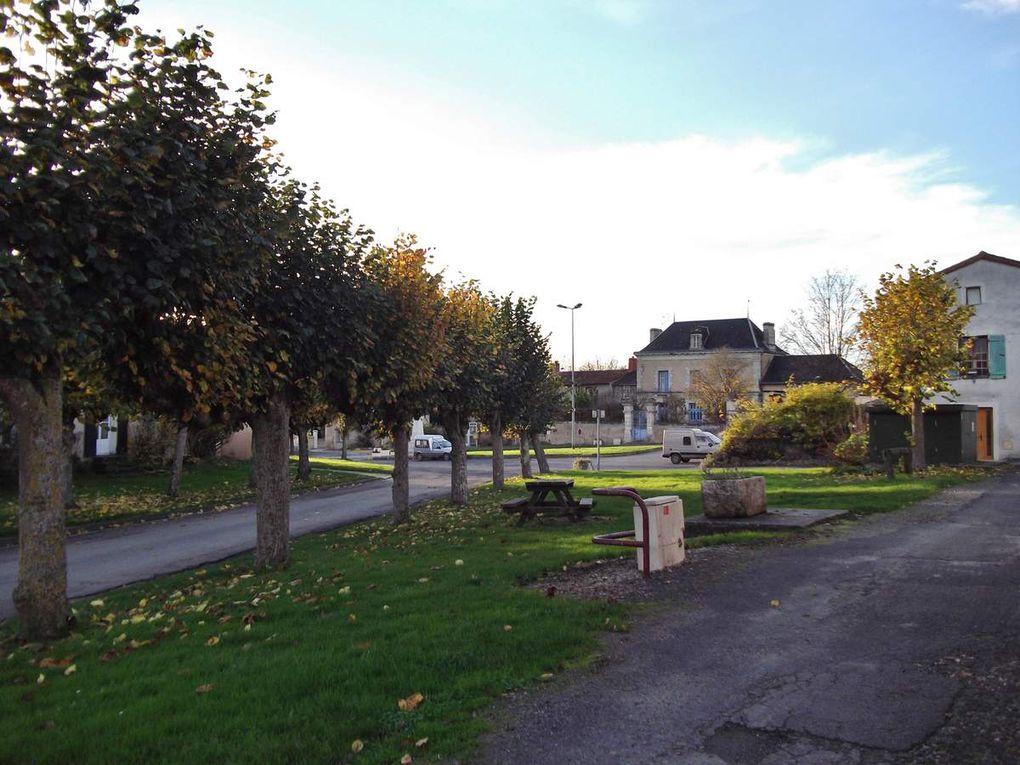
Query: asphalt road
[
  {"x": 115, "y": 557},
  {"x": 896, "y": 640}
]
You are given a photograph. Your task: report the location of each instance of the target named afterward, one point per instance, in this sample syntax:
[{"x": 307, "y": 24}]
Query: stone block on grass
[{"x": 733, "y": 497}]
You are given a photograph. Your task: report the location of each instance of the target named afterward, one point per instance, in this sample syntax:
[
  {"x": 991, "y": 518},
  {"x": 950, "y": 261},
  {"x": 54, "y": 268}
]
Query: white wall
[{"x": 998, "y": 314}]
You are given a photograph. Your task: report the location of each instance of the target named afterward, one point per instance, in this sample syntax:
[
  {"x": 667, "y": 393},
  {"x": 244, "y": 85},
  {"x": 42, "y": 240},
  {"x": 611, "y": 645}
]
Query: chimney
[
  {"x": 556, "y": 364},
  {"x": 768, "y": 329},
  {"x": 632, "y": 364},
  {"x": 653, "y": 333}
]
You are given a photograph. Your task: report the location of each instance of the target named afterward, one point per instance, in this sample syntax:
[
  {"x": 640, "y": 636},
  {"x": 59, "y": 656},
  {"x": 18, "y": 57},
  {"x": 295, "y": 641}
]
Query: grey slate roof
[
  {"x": 628, "y": 379},
  {"x": 808, "y": 369},
  {"x": 738, "y": 334}
]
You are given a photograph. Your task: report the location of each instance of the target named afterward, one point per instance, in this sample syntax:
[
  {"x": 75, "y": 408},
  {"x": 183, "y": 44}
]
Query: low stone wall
[{"x": 611, "y": 433}]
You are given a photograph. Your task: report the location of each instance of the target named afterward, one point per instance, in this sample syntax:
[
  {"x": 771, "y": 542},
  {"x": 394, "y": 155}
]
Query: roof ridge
[{"x": 981, "y": 256}]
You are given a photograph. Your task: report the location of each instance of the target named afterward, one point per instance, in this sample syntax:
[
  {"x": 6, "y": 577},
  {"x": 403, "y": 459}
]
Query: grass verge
[
  {"x": 205, "y": 487},
  {"x": 579, "y": 451},
  {"x": 230, "y": 665}
]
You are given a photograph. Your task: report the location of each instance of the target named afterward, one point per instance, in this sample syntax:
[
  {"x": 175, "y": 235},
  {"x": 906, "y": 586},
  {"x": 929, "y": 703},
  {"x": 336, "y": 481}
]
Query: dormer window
[{"x": 697, "y": 340}]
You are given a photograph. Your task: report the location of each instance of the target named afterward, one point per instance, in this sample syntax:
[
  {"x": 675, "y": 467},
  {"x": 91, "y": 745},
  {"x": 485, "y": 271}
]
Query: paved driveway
[{"x": 896, "y": 640}]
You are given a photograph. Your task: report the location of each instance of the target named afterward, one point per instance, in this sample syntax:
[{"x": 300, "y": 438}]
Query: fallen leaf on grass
[
  {"x": 421, "y": 742},
  {"x": 507, "y": 627},
  {"x": 49, "y": 661},
  {"x": 214, "y": 640},
  {"x": 406, "y": 760},
  {"x": 357, "y": 745},
  {"x": 71, "y": 670},
  {"x": 774, "y": 603},
  {"x": 204, "y": 688},
  {"x": 406, "y": 705}
]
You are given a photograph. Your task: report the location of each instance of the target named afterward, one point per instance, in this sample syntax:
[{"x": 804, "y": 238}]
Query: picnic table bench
[{"x": 561, "y": 502}]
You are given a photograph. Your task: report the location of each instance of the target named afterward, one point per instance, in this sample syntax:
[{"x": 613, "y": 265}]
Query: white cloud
[
  {"x": 993, "y": 6},
  {"x": 639, "y": 232}
]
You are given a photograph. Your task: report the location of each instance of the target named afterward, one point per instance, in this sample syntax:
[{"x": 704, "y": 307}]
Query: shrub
[
  {"x": 807, "y": 424},
  {"x": 852, "y": 451},
  {"x": 152, "y": 442}
]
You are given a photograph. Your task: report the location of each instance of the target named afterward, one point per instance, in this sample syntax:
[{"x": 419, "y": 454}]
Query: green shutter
[{"x": 996, "y": 356}]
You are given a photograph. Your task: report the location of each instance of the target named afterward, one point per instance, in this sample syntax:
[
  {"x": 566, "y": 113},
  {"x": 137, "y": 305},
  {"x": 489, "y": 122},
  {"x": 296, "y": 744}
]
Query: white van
[
  {"x": 431, "y": 448},
  {"x": 683, "y": 444}
]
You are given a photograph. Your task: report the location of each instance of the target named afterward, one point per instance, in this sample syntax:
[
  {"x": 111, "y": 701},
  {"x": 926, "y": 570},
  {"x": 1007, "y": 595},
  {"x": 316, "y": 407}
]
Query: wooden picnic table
[{"x": 561, "y": 501}]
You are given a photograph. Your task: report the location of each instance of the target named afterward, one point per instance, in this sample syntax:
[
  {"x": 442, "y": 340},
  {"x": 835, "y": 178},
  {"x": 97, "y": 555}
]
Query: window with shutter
[
  {"x": 997, "y": 357},
  {"x": 977, "y": 364}
]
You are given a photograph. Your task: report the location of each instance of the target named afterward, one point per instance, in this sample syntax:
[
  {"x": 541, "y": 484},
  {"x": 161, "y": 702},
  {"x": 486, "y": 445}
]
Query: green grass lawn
[
  {"x": 205, "y": 487},
  {"x": 225, "y": 664},
  {"x": 579, "y": 451},
  {"x": 353, "y": 465}
]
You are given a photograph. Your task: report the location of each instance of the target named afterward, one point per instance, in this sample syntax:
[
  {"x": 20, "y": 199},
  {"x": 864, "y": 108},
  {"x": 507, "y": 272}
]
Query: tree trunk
[
  {"x": 525, "y": 457},
  {"x": 401, "y": 436},
  {"x": 271, "y": 437},
  {"x": 917, "y": 430},
  {"x": 67, "y": 466},
  {"x": 458, "y": 464},
  {"x": 40, "y": 595},
  {"x": 177, "y": 469},
  {"x": 304, "y": 467},
  {"x": 540, "y": 455},
  {"x": 343, "y": 443},
  {"x": 496, "y": 428}
]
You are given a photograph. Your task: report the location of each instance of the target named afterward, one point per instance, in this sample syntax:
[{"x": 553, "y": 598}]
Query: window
[
  {"x": 663, "y": 382},
  {"x": 697, "y": 341},
  {"x": 977, "y": 363},
  {"x": 687, "y": 440},
  {"x": 973, "y": 295}
]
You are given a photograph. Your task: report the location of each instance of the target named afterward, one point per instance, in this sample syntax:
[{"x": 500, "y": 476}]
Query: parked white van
[
  {"x": 431, "y": 448},
  {"x": 683, "y": 444}
]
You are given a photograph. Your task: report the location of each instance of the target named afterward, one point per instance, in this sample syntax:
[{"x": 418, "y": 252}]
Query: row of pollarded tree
[{"x": 153, "y": 240}]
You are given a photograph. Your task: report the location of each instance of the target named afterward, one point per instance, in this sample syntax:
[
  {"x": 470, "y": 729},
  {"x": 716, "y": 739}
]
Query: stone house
[
  {"x": 991, "y": 284},
  {"x": 669, "y": 364}
]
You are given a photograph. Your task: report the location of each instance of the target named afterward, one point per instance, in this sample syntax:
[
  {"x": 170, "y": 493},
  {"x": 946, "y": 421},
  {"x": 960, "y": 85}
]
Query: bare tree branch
[{"x": 828, "y": 324}]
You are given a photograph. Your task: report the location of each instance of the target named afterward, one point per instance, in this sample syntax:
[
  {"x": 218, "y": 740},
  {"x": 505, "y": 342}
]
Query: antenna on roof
[{"x": 749, "y": 308}]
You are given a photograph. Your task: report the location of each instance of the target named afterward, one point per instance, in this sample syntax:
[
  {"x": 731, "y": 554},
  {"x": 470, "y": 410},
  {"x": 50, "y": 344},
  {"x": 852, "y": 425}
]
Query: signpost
[{"x": 597, "y": 415}]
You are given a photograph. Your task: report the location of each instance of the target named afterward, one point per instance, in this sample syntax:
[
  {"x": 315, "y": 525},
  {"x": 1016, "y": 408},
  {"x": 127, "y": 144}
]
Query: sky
[{"x": 650, "y": 159}]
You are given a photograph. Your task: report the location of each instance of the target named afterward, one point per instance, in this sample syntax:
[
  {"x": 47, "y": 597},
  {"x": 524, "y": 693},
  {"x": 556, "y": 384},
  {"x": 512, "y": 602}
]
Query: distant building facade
[
  {"x": 991, "y": 284},
  {"x": 668, "y": 366}
]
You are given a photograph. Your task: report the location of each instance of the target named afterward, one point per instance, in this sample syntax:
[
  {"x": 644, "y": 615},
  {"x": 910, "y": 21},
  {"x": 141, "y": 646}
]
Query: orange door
[{"x": 984, "y": 434}]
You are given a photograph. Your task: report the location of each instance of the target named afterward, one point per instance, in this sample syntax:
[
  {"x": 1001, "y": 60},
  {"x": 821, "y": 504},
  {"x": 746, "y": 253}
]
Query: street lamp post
[{"x": 573, "y": 386}]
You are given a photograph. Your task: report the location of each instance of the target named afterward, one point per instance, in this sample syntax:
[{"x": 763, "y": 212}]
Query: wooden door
[{"x": 984, "y": 433}]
